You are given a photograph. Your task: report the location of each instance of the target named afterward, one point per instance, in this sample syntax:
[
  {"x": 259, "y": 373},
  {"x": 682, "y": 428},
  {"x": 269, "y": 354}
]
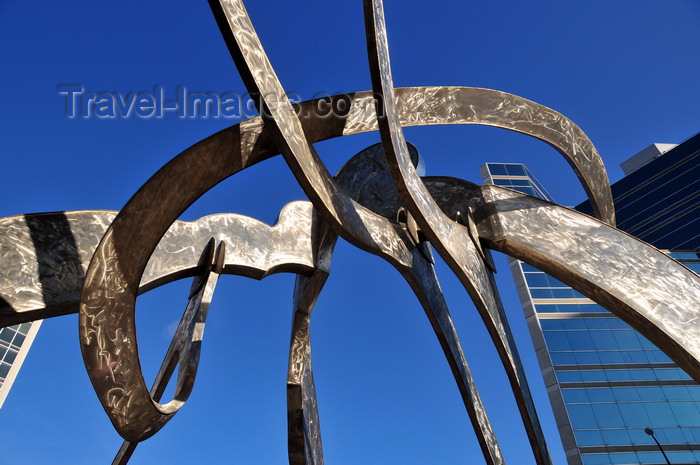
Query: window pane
[
  {"x": 634, "y": 415},
  {"x": 572, "y": 396},
  {"x": 10, "y": 356},
  {"x": 497, "y": 169},
  {"x": 4, "y": 369},
  {"x": 660, "y": 414},
  {"x": 686, "y": 413},
  {"x": 582, "y": 417},
  {"x": 608, "y": 415}
]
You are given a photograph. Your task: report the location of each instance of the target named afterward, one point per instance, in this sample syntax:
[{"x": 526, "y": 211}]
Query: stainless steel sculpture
[{"x": 96, "y": 263}]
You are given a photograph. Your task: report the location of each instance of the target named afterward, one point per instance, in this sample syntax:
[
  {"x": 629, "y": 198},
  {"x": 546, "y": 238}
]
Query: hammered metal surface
[
  {"x": 185, "y": 347},
  {"x": 111, "y": 281},
  {"x": 366, "y": 178},
  {"x": 656, "y": 295},
  {"x": 426, "y": 106},
  {"x": 352, "y": 221},
  {"x": 231, "y": 150},
  {"x": 303, "y": 424},
  {"x": 107, "y": 327},
  {"x": 460, "y": 250},
  {"x": 388, "y": 214},
  {"x": 45, "y": 255}
]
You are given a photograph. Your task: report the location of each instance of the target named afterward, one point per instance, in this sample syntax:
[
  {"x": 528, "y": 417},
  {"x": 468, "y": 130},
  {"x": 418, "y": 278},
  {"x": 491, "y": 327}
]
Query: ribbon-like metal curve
[
  {"x": 185, "y": 347},
  {"x": 45, "y": 280},
  {"x": 605, "y": 264},
  {"x": 117, "y": 265},
  {"x": 223, "y": 154},
  {"x": 655, "y": 294},
  {"x": 228, "y": 152},
  {"x": 460, "y": 249},
  {"x": 349, "y": 219},
  {"x": 366, "y": 179},
  {"x": 303, "y": 426}
]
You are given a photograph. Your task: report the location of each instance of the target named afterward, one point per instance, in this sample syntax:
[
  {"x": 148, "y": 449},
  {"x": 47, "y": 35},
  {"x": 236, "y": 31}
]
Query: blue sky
[{"x": 626, "y": 72}]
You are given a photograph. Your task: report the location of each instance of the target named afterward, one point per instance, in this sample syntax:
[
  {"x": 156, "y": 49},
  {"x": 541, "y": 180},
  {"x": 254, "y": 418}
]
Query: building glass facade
[
  {"x": 607, "y": 382},
  {"x": 15, "y": 342}
]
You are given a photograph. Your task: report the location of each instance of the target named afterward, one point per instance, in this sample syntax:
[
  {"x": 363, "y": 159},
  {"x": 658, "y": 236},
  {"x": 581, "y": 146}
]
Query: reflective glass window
[
  {"x": 542, "y": 280},
  {"x": 611, "y": 357},
  {"x": 615, "y": 437},
  {"x": 515, "y": 170},
  {"x": 656, "y": 356},
  {"x": 600, "y": 395},
  {"x": 580, "y": 340},
  {"x": 634, "y": 414},
  {"x": 695, "y": 266},
  {"x": 551, "y": 324},
  {"x": 604, "y": 340},
  {"x": 626, "y": 340},
  {"x": 569, "y": 376},
  {"x": 677, "y": 392},
  {"x": 649, "y": 457},
  {"x": 595, "y": 459},
  {"x": 623, "y": 458},
  {"x": 7, "y": 334},
  {"x": 626, "y": 394},
  {"x": 589, "y": 438},
  {"x": 574, "y": 324},
  {"x": 10, "y": 356},
  {"x": 686, "y": 413},
  {"x": 666, "y": 374},
  {"x": 586, "y": 358},
  {"x": 562, "y": 358},
  {"x": 497, "y": 169},
  {"x": 4, "y": 369},
  {"x": 660, "y": 414},
  {"x": 608, "y": 415},
  {"x": 582, "y": 416},
  {"x": 570, "y": 308},
  {"x": 527, "y": 267},
  {"x": 651, "y": 393},
  {"x": 638, "y": 436},
  {"x": 18, "y": 340},
  {"x": 680, "y": 456},
  {"x": 683, "y": 255},
  {"x": 694, "y": 391},
  {"x": 573, "y": 396},
  {"x": 520, "y": 182},
  {"x": 557, "y": 340}
]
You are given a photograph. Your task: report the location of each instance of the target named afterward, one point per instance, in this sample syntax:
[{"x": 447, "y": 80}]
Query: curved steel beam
[
  {"x": 349, "y": 219},
  {"x": 185, "y": 347},
  {"x": 605, "y": 264},
  {"x": 303, "y": 426},
  {"x": 45, "y": 255},
  {"x": 455, "y": 243},
  {"x": 366, "y": 179},
  {"x": 118, "y": 265},
  {"x": 655, "y": 294}
]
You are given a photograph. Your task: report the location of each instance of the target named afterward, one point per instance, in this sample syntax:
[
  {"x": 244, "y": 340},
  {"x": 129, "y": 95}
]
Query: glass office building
[
  {"x": 607, "y": 382},
  {"x": 15, "y": 342}
]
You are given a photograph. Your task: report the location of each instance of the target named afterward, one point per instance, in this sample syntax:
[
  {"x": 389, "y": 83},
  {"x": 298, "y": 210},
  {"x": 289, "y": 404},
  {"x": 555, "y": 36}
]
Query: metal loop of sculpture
[{"x": 378, "y": 202}]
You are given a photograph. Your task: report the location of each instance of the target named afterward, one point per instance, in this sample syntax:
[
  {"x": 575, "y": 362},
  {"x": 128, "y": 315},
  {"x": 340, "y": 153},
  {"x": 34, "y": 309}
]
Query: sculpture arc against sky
[
  {"x": 460, "y": 249},
  {"x": 459, "y": 219},
  {"x": 214, "y": 147}
]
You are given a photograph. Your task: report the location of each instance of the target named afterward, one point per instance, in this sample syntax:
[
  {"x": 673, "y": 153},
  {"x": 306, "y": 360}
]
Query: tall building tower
[
  {"x": 606, "y": 382},
  {"x": 14, "y": 345}
]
